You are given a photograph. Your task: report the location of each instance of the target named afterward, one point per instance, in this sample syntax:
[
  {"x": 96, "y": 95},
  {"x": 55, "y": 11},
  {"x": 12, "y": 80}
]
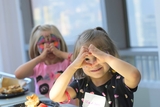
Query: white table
[
  {"x": 20, "y": 99},
  {"x": 16, "y": 100}
]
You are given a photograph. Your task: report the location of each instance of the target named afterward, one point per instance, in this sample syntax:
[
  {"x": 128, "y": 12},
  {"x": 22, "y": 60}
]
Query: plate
[
  {"x": 3, "y": 96},
  {"x": 49, "y": 103}
]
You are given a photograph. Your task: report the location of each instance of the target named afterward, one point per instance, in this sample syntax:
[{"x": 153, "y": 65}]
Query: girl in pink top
[{"x": 49, "y": 58}]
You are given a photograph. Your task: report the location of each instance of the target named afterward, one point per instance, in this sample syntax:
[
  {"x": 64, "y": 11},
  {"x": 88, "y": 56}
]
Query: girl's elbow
[
  {"x": 133, "y": 79},
  {"x": 17, "y": 75},
  {"x": 52, "y": 97},
  {"x": 136, "y": 76}
]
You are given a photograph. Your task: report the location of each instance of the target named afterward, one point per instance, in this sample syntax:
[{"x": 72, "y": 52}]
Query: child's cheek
[{"x": 40, "y": 48}]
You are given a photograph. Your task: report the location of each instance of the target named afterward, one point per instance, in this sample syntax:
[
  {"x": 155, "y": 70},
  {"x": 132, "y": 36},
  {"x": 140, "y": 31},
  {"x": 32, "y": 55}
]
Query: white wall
[
  {"x": 147, "y": 94},
  {"x": 157, "y": 9},
  {"x": 11, "y": 36},
  {"x": 1, "y": 67}
]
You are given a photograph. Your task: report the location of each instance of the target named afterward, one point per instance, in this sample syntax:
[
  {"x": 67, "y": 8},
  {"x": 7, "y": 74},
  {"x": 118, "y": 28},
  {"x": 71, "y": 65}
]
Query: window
[
  {"x": 142, "y": 26},
  {"x": 70, "y": 16}
]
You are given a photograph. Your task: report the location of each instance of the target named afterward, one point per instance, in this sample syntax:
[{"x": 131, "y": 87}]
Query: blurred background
[{"x": 133, "y": 25}]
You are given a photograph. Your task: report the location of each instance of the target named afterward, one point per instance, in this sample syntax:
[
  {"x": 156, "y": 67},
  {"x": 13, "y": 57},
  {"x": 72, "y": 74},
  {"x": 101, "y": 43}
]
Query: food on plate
[
  {"x": 42, "y": 105},
  {"x": 32, "y": 101},
  {"x": 11, "y": 85},
  {"x": 11, "y": 89},
  {"x": 9, "y": 82},
  {"x": 12, "y": 81},
  {"x": 1, "y": 90}
]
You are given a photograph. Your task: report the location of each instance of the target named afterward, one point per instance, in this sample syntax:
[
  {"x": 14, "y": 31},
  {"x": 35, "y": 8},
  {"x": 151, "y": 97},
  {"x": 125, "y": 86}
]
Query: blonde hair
[
  {"x": 98, "y": 37},
  {"x": 35, "y": 35}
]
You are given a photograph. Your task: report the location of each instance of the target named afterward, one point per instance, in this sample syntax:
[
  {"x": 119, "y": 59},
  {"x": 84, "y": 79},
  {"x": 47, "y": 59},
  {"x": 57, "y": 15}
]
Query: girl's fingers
[
  {"x": 46, "y": 45},
  {"x": 51, "y": 46},
  {"x": 92, "y": 48},
  {"x": 83, "y": 53},
  {"x": 80, "y": 58},
  {"x": 97, "y": 53},
  {"x": 83, "y": 49},
  {"x": 86, "y": 64}
]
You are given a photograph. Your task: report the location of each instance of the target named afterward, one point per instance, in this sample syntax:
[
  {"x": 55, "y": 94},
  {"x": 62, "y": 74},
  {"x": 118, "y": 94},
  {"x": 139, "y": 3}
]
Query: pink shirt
[{"x": 45, "y": 75}]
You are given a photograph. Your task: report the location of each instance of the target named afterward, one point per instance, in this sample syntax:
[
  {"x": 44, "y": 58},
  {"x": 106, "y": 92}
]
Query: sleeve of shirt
[
  {"x": 74, "y": 85},
  {"x": 34, "y": 70},
  {"x": 78, "y": 85},
  {"x": 122, "y": 85},
  {"x": 34, "y": 74}
]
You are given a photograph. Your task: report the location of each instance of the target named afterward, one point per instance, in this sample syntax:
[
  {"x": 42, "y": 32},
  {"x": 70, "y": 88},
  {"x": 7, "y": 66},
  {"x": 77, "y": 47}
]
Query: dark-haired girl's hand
[
  {"x": 78, "y": 62},
  {"x": 100, "y": 55}
]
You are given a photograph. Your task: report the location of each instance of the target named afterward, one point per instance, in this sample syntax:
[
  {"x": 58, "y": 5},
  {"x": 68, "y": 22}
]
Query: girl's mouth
[{"x": 96, "y": 69}]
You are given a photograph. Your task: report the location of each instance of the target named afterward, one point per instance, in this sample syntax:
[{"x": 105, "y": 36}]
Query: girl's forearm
[
  {"x": 127, "y": 70},
  {"x": 57, "y": 92},
  {"x": 26, "y": 69},
  {"x": 64, "y": 55}
]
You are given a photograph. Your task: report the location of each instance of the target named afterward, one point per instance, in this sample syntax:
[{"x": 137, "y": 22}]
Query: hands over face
[
  {"x": 53, "y": 49},
  {"x": 97, "y": 53},
  {"x": 89, "y": 55},
  {"x": 44, "y": 51}
]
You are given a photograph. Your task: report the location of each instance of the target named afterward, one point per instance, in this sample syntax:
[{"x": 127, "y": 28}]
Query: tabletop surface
[{"x": 20, "y": 99}]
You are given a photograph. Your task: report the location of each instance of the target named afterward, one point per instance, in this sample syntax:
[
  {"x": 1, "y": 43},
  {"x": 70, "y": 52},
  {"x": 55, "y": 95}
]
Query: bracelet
[
  {"x": 69, "y": 57},
  {"x": 68, "y": 98}
]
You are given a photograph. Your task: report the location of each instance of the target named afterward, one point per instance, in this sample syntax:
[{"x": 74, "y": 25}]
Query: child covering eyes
[
  {"x": 52, "y": 40},
  {"x": 48, "y": 58},
  {"x": 102, "y": 79}
]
